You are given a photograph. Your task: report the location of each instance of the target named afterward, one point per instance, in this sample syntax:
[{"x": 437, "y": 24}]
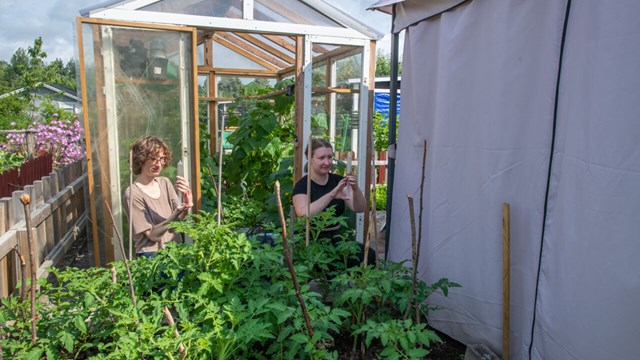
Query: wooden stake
[
  {"x": 506, "y": 277},
  {"x": 220, "y": 171},
  {"x": 25, "y": 199},
  {"x": 308, "y": 219},
  {"x": 424, "y": 167},
  {"x": 114, "y": 278},
  {"x": 289, "y": 260},
  {"x": 414, "y": 256},
  {"x": 124, "y": 257},
  {"x": 176, "y": 334}
]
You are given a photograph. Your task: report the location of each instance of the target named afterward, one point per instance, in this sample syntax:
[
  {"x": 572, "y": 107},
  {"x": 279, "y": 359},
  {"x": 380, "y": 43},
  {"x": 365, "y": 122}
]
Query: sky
[{"x": 22, "y": 21}]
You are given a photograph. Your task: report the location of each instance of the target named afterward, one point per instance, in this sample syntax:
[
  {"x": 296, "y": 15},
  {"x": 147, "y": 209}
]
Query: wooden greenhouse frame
[{"x": 285, "y": 39}]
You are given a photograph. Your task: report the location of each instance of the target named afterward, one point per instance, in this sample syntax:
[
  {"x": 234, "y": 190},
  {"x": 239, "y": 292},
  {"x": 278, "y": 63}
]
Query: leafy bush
[
  {"x": 231, "y": 298},
  {"x": 381, "y": 197}
]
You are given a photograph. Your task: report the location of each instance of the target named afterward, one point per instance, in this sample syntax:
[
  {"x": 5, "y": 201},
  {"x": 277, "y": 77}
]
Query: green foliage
[
  {"x": 381, "y": 131},
  {"x": 231, "y": 298},
  {"x": 381, "y": 197},
  {"x": 401, "y": 339},
  {"x": 11, "y": 159},
  {"x": 383, "y": 64},
  {"x": 262, "y": 153}
]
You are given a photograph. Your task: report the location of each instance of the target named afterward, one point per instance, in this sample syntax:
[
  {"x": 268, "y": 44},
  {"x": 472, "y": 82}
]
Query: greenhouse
[{"x": 172, "y": 69}]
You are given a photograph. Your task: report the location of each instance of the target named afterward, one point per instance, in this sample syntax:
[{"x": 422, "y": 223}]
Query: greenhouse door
[{"x": 136, "y": 80}]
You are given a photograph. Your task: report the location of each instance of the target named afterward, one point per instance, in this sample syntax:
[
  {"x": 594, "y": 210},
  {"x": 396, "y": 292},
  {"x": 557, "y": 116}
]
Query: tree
[{"x": 383, "y": 64}]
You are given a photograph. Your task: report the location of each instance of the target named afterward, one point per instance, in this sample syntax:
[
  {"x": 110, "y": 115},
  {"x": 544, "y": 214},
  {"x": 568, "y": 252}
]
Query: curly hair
[{"x": 147, "y": 148}]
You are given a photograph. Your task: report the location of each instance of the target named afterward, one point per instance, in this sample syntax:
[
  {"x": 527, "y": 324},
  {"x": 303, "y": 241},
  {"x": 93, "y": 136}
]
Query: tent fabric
[{"x": 479, "y": 85}]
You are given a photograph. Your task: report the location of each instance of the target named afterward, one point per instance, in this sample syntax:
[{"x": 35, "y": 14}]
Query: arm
[
  {"x": 300, "y": 200},
  {"x": 156, "y": 232}
]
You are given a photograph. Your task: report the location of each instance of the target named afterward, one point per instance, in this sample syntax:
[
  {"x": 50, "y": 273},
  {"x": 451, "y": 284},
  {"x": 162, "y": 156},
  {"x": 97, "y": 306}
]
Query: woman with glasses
[{"x": 151, "y": 201}]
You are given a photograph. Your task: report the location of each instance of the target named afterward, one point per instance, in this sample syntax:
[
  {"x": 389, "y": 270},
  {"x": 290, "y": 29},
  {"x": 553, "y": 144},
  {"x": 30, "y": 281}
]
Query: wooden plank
[
  {"x": 48, "y": 222},
  {"x": 87, "y": 135},
  {"x": 23, "y": 248},
  {"x": 238, "y": 72},
  {"x": 298, "y": 108},
  {"x": 506, "y": 277},
  {"x": 55, "y": 256},
  {"x": 231, "y": 46},
  {"x": 257, "y": 53},
  {"x": 281, "y": 41},
  {"x": 55, "y": 216},
  {"x": 266, "y": 47},
  {"x": 57, "y": 201},
  {"x": 8, "y": 241}
]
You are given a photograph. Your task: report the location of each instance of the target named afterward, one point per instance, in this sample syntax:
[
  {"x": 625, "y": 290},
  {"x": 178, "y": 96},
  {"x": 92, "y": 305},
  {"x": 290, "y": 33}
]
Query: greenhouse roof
[{"x": 261, "y": 30}]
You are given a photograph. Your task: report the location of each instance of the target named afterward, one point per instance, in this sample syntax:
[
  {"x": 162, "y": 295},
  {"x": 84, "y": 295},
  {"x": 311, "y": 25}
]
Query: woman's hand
[
  {"x": 338, "y": 191},
  {"x": 182, "y": 186}
]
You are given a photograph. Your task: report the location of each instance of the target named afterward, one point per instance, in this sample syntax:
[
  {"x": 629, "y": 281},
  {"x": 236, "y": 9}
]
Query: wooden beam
[
  {"x": 299, "y": 110},
  {"x": 266, "y": 47},
  {"x": 280, "y": 40},
  {"x": 256, "y": 52},
  {"x": 238, "y": 72},
  {"x": 246, "y": 53},
  {"x": 338, "y": 53}
]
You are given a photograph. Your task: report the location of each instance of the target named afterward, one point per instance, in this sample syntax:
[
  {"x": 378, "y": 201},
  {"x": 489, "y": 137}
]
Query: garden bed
[{"x": 80, "y": 256}]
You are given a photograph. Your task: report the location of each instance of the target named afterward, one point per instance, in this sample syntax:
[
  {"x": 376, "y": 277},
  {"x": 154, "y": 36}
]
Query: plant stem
[
  {"x": 26, "y": 199},
  {"x": 287, "y": 256},
  {"x": 176, "y": 334}
]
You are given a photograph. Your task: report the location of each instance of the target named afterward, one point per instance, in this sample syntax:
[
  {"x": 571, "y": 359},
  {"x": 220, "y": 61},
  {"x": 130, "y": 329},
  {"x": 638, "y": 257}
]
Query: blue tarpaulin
[{"x": 381, "y": 103}]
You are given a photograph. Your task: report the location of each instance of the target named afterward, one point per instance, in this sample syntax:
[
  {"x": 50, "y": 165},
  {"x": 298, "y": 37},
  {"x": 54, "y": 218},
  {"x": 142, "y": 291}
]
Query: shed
[
  {"x": 155, "y": 66},
  {"x": 533, "y": 104}
]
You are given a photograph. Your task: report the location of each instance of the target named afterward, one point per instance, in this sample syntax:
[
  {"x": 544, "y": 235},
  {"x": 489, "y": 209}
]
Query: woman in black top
[{"x": 327, "y": 189}]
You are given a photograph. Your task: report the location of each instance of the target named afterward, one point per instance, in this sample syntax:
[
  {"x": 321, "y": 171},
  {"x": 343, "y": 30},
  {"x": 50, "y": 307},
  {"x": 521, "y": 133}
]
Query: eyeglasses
[{"x": 161, "y": 160}]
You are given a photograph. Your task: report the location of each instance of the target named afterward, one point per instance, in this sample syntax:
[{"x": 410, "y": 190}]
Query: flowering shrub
[{"x": 62, "y": 138}]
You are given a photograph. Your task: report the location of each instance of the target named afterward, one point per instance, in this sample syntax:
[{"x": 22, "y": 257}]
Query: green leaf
[
  {"x": 299, "y": 338},
  {"x": 67, "y": 340},
  {"x": 417, "y": 353},
  {"x": 79, "y": 323},
  {"x": 34, "y": 354}
]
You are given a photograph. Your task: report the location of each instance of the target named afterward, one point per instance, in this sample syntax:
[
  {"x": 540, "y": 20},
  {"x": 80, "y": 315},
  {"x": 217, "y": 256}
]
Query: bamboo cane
[
  {"x": 289, "y": 260},
  {"x": 414, "y": 256},
  {"x": 220, "y": 171},
  {"x": 124, "y": 257},
  {"x": 114, "y": 278},
  {"x": 424, "y": 166},
  {"x": 308, "y": 219},
  {"x": 130, "y": 203},
  {"x": 506, "y": 277},
  {"x": 25, "y": 199},
  {"x": 176, "y": 334}
]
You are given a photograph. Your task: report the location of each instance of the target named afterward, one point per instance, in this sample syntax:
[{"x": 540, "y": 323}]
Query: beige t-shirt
[{"x": 147, "y": 212}]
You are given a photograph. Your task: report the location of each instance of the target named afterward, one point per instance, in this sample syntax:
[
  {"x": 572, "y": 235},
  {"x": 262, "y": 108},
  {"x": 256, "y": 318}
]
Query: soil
[{"x": 80, "y": 256}]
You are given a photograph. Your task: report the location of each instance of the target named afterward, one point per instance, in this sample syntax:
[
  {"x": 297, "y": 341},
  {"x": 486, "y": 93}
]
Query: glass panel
[
  {"x": 200, "y": 54},
  {"x": 203, "y": 85},
  {"x": 218, "y": 8},
  {"x": 224, "y": 57},
  {"x": 137, "y": 84},
  {"x": 233, "y": 86},
  {"x": 290, "y": 11}
]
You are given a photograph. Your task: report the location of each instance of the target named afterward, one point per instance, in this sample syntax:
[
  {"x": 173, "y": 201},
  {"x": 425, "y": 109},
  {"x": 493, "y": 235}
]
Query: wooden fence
[
  {"x": 58, "y": 216},
  {"x": 30, "y": 171}
]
